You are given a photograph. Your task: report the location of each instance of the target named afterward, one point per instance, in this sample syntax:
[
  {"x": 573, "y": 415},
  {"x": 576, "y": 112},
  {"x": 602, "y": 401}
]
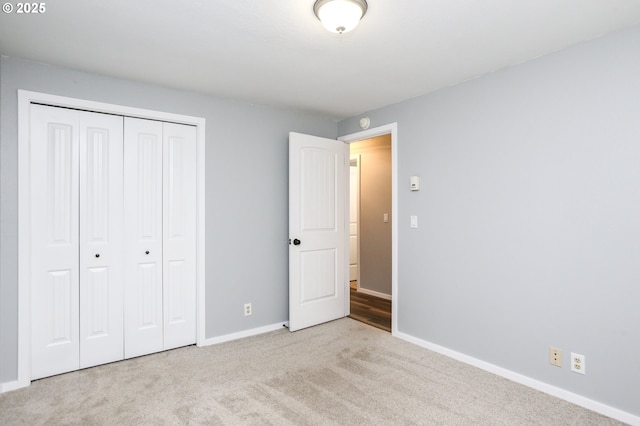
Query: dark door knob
[
  {"x": 296, "y": 242},
  {"x": 97, "y": 254},
  {"x": 146, "y": 252}
]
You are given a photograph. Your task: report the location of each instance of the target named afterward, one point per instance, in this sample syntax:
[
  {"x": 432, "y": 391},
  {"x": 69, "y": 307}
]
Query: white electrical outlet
[
  {"x": 247, "y": 309},
  {"x": 577, "y": 363}
]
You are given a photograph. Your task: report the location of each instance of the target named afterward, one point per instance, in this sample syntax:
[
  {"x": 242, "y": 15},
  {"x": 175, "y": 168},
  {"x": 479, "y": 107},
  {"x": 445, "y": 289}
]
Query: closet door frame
[{"x": 25, "y": 100}]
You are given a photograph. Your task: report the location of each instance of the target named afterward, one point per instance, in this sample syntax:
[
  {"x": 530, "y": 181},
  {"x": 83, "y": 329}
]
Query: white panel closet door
[
  {"x": 54, "y": 142},
  {"x": 179, "y": 247},
  {"x": 113, "y": 231},
  {"x": 143, "y": 237},
  {"x": 101, "y": 210}
]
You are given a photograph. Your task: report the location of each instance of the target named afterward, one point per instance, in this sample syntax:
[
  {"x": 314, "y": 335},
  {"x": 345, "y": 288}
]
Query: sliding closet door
[
  {"x": 101, "y": 275},
  {"x": 179, "y": 264},
  {"x": 54, "y": 265},
  {"x": 143, "y": 237}
]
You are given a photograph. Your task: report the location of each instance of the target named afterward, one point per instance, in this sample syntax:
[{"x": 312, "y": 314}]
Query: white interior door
[
  {"x": 317, "y": 262},
  {"x": 179, "y": 241},
  {"x": 54, "y": 268},
  {"x": 354, "y": 205},
  {"x": 143, "y": 318},
  {"x": 101, "y": 214}
]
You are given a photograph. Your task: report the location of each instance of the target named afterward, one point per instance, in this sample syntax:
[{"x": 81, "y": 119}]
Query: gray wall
[
  {"x": 246, "y": 193},
  {"x": 529, "y": 210},
  {"x": 529, "y": 215},
  {"x": 375, "y": 201}
]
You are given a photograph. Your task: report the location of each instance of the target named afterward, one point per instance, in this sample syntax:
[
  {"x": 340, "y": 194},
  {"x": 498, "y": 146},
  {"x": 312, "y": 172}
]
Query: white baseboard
[
  {"x": 245, "y": 333},
  {"x": 11, "y": 386},
  {"x": 374, "y": 293},
  {"x": 582, "y": 401}
]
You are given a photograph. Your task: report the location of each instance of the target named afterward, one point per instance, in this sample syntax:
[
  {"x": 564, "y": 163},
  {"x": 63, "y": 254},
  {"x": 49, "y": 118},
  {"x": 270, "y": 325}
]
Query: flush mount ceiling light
[{"x": 340, "y": 16}]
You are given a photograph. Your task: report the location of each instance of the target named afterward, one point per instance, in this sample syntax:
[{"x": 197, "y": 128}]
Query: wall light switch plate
[
  {"x": 414, "y": 221},
  {"x": 415, "y": 183}
]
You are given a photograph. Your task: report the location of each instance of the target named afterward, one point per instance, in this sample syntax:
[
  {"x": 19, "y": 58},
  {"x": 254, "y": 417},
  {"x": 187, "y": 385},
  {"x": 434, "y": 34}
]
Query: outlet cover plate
[
  {"x": 555, "y": 357},
  {"x": 577, "y": 363}
]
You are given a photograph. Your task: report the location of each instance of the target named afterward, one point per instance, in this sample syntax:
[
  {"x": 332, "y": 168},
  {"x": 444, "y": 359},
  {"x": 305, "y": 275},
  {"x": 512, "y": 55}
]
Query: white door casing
[
  {"x": 143, "y": 321},
  {"x": 391, "y": 129},
  {"x": 179, "y": 247},
  {"x": 317, "y": 229},
  {"x": 54, "y": 245},
  {"x": 101, "y": 221}
]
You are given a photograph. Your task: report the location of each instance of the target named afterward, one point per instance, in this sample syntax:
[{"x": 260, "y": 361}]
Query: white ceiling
[{"x": 275, "y": 52}]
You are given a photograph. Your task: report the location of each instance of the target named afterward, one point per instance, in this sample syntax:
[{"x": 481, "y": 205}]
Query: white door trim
[
  {"x": 367, "y": 134},
  {"x": 25, "y": 99}
]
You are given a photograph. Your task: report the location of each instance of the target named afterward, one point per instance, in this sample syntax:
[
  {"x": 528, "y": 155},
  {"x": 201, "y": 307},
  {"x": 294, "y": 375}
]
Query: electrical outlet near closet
[
  {"x": 247, "y": 309},
  {"x": 555, "y": 356}
]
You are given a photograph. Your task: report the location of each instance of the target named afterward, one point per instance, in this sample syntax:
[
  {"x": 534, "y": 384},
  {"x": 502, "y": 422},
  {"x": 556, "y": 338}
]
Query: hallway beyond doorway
[{"x": 370, "y": 310}]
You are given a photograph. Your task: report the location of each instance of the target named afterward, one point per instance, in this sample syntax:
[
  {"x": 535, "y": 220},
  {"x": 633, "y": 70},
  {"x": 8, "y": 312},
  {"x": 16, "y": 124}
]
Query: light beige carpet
[{"x": 343, "y": 372}]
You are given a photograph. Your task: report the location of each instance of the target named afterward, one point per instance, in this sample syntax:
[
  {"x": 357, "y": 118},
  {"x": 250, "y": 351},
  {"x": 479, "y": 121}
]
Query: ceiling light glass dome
[{"x": 340, "y": 16}]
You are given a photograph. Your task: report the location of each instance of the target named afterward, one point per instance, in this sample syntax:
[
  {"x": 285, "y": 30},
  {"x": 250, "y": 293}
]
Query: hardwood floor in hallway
[{"x": 371, "y": 310}]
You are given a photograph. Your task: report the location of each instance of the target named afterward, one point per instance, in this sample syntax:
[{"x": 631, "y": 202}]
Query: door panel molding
[
  {"x": 179, "y": 231},
  {"x": 143, "y": 330},
  {"x": 55, "y": 249},
  {"x": 101, "y": 218}
]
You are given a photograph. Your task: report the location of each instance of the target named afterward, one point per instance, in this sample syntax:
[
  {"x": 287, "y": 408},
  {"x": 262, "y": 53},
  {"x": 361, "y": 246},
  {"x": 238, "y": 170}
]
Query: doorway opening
[
  {"x": 370, "y": 231},
  {"x": 319, "y": 287}
]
